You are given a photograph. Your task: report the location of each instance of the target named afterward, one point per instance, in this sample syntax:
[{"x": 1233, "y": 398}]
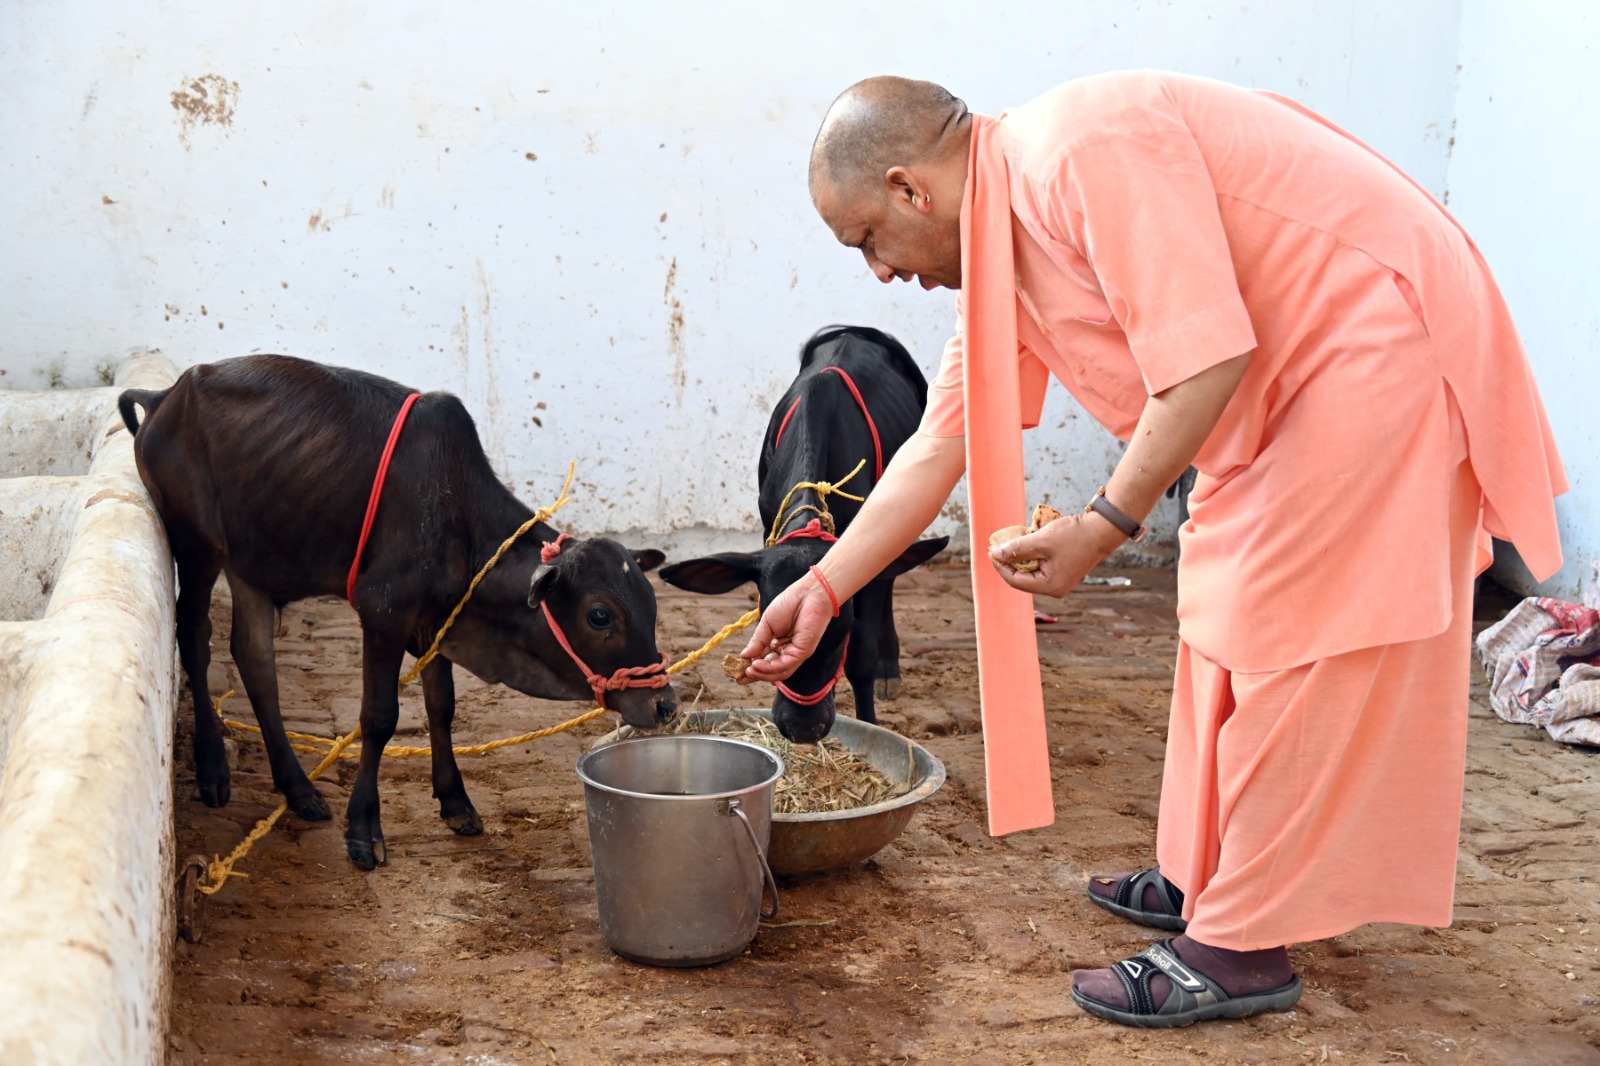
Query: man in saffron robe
[{"x": 1224, "y": 279}]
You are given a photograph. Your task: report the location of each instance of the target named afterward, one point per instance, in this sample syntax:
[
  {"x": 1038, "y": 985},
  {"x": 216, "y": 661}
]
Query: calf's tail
[{"x": 149, "y": 399}]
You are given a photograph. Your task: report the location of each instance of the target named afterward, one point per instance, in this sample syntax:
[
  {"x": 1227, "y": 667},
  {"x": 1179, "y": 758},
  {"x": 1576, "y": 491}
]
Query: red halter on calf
[
  {"x": 822, "y": 693},
  {"x": 652, "y": 676},
  {"x": 812, "y": 530}
]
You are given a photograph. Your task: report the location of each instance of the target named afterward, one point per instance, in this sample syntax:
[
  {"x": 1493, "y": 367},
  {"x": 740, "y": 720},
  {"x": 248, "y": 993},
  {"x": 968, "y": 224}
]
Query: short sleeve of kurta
[
  {"x": 946, "y": 413},
  {"x": 1140, "y": 206}
]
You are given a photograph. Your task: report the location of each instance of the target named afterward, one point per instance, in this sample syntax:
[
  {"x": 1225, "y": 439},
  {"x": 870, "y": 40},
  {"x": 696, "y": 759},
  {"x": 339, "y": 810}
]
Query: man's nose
[{"x": 879, "y": 270}]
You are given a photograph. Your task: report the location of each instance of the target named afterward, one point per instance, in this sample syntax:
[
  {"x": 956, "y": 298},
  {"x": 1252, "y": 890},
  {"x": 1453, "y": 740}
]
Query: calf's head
[
  {"x": 602, "y": 605},
  {"x": 800, "y": 714}
]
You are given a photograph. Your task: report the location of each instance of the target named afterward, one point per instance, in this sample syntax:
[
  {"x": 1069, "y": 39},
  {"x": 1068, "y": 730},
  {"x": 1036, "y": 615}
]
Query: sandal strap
[
  {"x": 1130, "y": 893},
  {"x": 1189, "y": 988}
]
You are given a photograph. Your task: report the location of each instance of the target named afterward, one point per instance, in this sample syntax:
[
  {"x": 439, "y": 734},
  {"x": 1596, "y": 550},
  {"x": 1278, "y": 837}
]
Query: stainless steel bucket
[{"x": 678, "y": 826}]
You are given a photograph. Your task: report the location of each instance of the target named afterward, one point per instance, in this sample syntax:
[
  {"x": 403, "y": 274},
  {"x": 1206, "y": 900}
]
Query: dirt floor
[{"x": 948, "y": 947}]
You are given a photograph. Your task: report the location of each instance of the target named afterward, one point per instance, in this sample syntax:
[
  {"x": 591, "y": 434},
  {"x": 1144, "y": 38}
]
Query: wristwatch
[{"x": 1113, "y": 514}]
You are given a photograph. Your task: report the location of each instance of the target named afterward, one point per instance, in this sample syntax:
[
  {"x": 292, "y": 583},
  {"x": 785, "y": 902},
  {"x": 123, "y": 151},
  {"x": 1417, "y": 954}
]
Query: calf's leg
[
  {"x": 861, "y": 661},
  {"x": 381, "y": 655},
  {"x": 197, "y": 573},
  {"x": 254, "y": 622},
  {"x": 439, "y": 695},
  {"x": 888, "y": 686}
]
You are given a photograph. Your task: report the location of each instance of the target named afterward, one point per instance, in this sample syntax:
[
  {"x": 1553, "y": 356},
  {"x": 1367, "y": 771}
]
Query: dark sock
[
  {"x": 1240, "y": 973},
  {"x": 1150, "y": 899}
]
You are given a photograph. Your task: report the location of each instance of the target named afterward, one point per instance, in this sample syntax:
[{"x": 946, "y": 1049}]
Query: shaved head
[
  {"x": 888, "y": 176},
  {"x": 881, "y": 123}
]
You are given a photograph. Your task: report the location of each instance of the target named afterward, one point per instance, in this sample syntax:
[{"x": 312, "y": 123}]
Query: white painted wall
[
  {"x": 589, "y": 220},
  {"x": 1521, "y": 180}
]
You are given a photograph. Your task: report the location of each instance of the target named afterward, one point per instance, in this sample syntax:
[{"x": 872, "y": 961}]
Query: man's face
[{"x": 897, "y": 239}]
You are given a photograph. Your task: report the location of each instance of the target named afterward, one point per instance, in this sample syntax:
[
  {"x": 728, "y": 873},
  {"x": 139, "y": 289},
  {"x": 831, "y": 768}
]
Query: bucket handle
[{"x": 734, "y": 807}]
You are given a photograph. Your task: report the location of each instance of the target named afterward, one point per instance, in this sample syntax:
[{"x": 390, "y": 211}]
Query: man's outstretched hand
[{"x": 788, "y": 632}]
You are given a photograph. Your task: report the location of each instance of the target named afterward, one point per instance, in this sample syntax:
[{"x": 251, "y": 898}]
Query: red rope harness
[
  {"x": 652, "y": 676},
  {"x": 822, "y": 693},
  {"x": 812, "y": 530},
  {"x": 877, "y": 445},
  {"x": 785, "y": 423},
  {"x": 377, "y": 494},
  {"x": 550, "y": 549}
]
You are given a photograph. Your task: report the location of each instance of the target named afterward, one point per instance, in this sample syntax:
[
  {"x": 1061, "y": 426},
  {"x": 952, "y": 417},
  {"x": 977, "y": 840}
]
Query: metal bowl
[{"x": 828, "y": 840}]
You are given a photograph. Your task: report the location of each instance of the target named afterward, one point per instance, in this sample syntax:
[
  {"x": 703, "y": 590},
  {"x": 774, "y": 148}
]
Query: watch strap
[{"x": 1115, "y": 515}]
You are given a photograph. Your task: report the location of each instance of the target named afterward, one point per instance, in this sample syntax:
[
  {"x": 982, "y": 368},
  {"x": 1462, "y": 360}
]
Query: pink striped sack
[{"x": 1543, "y": 663}]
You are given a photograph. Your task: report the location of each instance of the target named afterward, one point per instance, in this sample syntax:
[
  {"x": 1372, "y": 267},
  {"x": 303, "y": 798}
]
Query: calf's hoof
[
  {"x": 308, "y": 803},
  {"x": 215, "y": 791},
  {"x": 887, "y": 688},
  {"x": 463, "y": 823},
  {"x": 367, "y": 854}
]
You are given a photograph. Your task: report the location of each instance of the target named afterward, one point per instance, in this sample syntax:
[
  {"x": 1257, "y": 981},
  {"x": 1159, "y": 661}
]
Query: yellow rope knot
[{"x": 823, "y": 489}]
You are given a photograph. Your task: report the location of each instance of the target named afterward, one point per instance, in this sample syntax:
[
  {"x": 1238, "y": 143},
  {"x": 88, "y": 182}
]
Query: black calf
[
  {"x": 825, "y": 424},
  {"x": 261, "y": 468}
]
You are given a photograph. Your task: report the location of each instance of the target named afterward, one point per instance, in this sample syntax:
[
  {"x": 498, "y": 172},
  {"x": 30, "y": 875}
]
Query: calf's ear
[
  {"x": 648, "y": 558},
  {"x": 714, "y": 574},
  {"x": 915, "y": 556},
  {"x": 544, "y": 580}
]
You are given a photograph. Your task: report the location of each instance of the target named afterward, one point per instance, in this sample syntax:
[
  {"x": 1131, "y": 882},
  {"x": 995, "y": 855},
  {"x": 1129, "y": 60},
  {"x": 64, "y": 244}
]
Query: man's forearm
[
  {"x": 1171, "y": 430},
  {"x": 901, "y": 506}
]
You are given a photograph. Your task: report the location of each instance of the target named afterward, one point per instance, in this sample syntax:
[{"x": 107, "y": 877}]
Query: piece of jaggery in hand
[
  {"x": 1043, "y": 515},
  {"x": 1000, "y": 536},
  {"x": 734, "y": 666}
]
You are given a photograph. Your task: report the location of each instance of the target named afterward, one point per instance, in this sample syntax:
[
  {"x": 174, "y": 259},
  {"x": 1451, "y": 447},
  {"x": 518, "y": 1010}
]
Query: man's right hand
[
  {"x": 914, "y": 486},
  {"x": 789, "y": 631}
]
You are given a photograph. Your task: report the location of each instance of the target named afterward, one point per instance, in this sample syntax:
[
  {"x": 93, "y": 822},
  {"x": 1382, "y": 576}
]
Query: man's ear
[
  {"x": 544, "y": 580},
  {"x": 907, "y": 188},
  {"x": 714, "y": 574}
]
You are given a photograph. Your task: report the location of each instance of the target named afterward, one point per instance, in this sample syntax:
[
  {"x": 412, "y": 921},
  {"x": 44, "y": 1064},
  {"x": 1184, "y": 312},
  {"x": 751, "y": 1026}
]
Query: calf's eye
[{"x": 599, "y": 617}]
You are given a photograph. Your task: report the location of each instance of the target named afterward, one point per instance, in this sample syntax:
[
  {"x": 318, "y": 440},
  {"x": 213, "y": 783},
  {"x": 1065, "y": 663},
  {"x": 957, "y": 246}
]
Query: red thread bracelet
[{"x": 826, "y": 588}]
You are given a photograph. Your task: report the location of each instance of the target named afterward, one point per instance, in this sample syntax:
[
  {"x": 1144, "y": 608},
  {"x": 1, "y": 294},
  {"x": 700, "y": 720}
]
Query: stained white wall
[
  {"x": 1521, "y": 180},
  {"x": 589, "y": 220}
]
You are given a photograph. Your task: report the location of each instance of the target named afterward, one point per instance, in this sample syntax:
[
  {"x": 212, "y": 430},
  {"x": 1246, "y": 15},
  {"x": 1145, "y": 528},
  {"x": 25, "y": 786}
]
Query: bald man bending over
[{"x": 1220, "y": 278}]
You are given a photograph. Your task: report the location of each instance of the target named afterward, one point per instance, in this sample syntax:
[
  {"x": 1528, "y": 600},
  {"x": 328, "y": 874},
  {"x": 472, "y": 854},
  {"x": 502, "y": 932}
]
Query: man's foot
[
  {"x": 1182, "y": 981},
  {"x": 1144, "y": 897}
]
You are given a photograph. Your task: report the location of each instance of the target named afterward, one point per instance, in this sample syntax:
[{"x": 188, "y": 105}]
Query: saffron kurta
[{"x": 1161, "y": 224}]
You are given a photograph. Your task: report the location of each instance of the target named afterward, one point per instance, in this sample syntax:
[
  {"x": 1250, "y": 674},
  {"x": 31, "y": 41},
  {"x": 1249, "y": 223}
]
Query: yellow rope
[
  {"x": 543, "y": 515},
  {"x": 219, "y": 870},
  {"x": 822, "y": 489}
]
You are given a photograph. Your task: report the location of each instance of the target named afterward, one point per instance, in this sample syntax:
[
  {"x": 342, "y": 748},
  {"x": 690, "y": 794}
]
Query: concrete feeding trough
[{"x": 87, "y": 695}]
